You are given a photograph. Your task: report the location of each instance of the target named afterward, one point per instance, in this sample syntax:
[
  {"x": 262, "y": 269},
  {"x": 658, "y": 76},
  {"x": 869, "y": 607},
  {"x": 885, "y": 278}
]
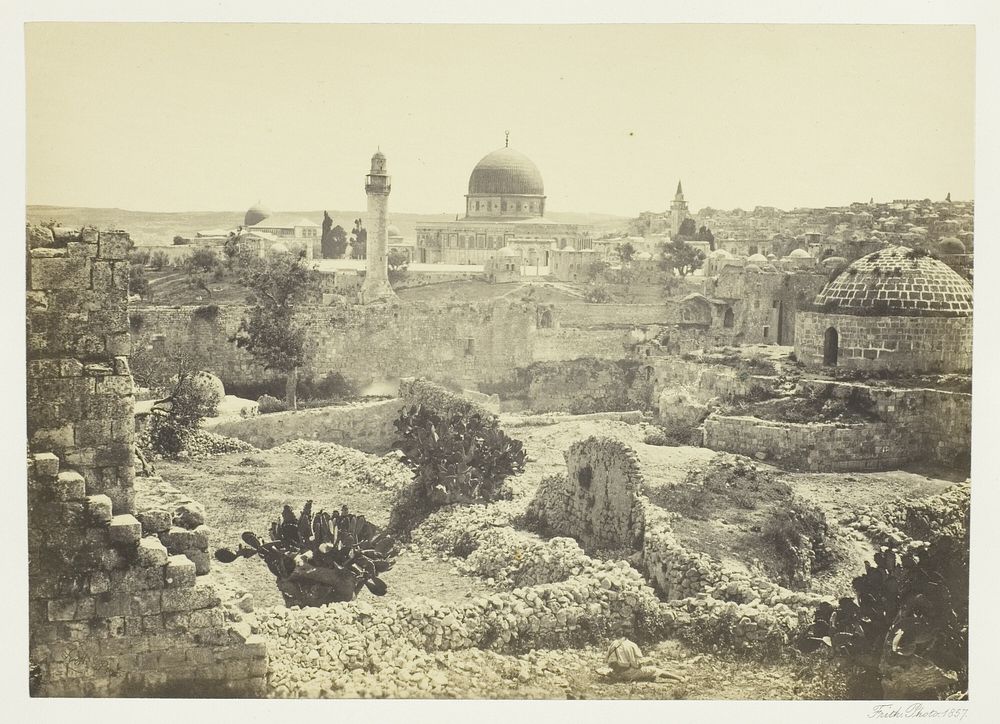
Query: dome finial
[{"x": 506, "y": 140}]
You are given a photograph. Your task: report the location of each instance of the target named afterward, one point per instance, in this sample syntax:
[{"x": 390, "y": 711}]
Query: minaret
[
  {"x": 377, "y": 186},
  {"x": 678, "y": 210}
]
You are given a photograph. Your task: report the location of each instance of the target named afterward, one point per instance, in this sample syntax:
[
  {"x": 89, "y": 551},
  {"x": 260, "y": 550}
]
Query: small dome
[
  {"x": 720, "y": 254},
  {"x": 800, "y": 254},
  {"x": 508, "y": 251},
  {"x": 897, "y": 280},
  {"x": 771, "y": 257},
  {"x": 392, "y": 231},
  {"x": 278, "y": 247},
  {"x": 951, "y": 245},
  {"x": 255, "y": 214},
  {"x": 506, "y": 171},
  {"x": 832, "y": 262},
  {"x": 643, "y": 256},
  {"x": 757, "y": 259}
]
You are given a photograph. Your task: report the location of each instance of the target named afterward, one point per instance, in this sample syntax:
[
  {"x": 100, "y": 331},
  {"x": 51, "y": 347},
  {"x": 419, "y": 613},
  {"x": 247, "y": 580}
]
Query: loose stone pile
[
  {"x": 202, "y": 443},
  {"x": 352, "y": 468}
]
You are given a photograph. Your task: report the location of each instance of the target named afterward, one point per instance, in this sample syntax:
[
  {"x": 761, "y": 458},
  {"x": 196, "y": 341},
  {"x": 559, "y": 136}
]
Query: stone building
[
  {"x": 505, "y": 205},
  {"x": 504, "y": 266},
  {"x": 894, "y": 309},
  {"x": 378, "y": 185}
]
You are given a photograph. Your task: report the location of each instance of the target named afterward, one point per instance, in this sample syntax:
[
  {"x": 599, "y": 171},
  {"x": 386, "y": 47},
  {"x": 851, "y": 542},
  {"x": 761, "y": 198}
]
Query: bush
[
  {"x": 138, "y": 256},
  {"x": 799, "y": 536},
  {"x": 455, "y": 460},
  {"x": 322, "y": 558},
  {"x": 597, "y": 294},
  {"x": 267, "y": 404},
  {"x": 159, "y": 260},
  {"x": 173, "y": 419}
]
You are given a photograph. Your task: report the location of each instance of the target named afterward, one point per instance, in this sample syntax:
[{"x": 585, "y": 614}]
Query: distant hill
[{"x": 160, "y": 227}]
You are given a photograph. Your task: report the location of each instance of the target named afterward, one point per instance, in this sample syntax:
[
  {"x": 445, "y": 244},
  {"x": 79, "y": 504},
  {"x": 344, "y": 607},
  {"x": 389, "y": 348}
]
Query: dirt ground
[{"x": 246, "y": 491}]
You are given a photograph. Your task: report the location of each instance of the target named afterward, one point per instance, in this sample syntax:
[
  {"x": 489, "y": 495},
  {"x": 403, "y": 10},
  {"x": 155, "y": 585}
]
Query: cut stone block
[
  {"x": 189, "y": 515},
  {"x": 125, "y": 530},
  {"x": 180, "y": 572},
  {"x": 69, "y": 485},
  {"x": 202, "y": 537},
  {"x": 178, "y": 540},
  {"x": 46, "y": 465},
  {"x": 200, "y": 558},
  {"x": 99, "y": 508},
  {"x": 154, "y": 521},
  {"x": 152, "y": 553}
]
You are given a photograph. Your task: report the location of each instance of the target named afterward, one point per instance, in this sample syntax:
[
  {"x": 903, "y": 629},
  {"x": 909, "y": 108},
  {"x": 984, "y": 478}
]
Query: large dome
[
  {"x": 506, "y": 171},
  {"x": 897, "y": 280},
  {"x": 255, "y": 214}
]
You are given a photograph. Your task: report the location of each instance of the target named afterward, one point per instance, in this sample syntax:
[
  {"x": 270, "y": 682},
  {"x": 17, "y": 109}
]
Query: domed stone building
[
  {"x": 504, "y": 206},
  {"x": 894, "y": 309},
  {"x": 255, "y": 214}
]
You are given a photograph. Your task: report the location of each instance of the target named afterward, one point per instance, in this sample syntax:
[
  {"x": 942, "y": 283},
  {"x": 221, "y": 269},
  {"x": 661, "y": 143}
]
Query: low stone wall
[
  {"x": 566, "y": 344},
  {"x": 816, "y": 446},
  {"x": 442, "y": 401},
  {"x": 912, "y": 425},
  {"x": 367, "y": 427}
]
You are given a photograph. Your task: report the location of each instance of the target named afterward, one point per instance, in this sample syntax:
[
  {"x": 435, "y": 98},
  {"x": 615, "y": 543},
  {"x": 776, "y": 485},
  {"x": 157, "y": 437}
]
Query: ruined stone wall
[
  {"x": 913, "y": 425},
  {"x": 367, "y": 427},
  {"x": 569, "y": 343},
  {"x": 902, "y": 344},
  {"x": 758, "y": 298},
  {"x": 581, "y": 386},
  {"x": 111, "y": 612},
  {"x": 588, "y": 315},
  {"x": 597, "y": 501},
  {"x": 465, "y": 342},
  {"x": 79, "y": 394}
]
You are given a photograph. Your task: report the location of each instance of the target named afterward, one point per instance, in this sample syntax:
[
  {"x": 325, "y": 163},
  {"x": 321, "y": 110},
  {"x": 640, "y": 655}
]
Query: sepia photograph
[{"x": 521, "y": 361}]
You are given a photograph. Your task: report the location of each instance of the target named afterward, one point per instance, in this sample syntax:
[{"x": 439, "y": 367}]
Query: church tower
[
  {"x": 678, "y": 211},
  {"x": 377, "y": 186}
]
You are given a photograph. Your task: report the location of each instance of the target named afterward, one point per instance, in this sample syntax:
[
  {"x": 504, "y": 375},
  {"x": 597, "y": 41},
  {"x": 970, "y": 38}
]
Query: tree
[
  {"x": 334, "y": 241},
  {"x": 625, "y": 252},
  {"x": 359, "y": 241},
  {"x": 203, "y": 265},
  {"x": 687, "y": 230},
  {"x": 137, "y": 281},
  {"x": 268, "y": 330},
  {"x": 680, "y": 257},
  {"x": 397, "y": 263},
  {"x": 597, "y": 271}
]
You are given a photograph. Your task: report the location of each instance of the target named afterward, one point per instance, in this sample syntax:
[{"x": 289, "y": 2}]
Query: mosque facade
[{"x": 504, "y": 209}]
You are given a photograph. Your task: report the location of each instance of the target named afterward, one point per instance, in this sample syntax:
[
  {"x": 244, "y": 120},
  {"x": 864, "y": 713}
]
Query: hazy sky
[{"x": 183, "y": 117}]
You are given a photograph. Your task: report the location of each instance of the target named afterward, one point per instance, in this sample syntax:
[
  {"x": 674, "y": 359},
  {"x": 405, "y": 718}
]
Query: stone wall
[
  {"x": 111, "y": 612},
  {"x": 367, "y": 427},
  {"x": 912, "y": 425},
  {"x": 569, "y": 343},
  {"x": 464, "y": 342},
  {"x": 588, "y": 315},
  {"x": 581, "y": 386},
  {"x": 597, "y": 500},
  {"x": 769, "y": 300},
  {"x": 918, "y": 344}
]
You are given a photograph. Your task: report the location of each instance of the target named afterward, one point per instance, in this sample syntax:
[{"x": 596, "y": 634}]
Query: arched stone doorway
[
  {"x": 728, "y": 319},
  {"x": 831, "y": 346}
]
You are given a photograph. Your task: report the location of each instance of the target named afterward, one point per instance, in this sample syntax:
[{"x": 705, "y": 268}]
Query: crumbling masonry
[{"x": 111, "y": 612}]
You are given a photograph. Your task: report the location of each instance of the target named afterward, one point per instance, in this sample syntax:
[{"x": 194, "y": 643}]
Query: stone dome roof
[
  {"x": 506, "y": 171},
  {"x": 799, "y": 254},
  {"x": 509, "y": 251},
  {"x": 392, "y": 231},
  {"x": 278, "y": 247},
  {"x": 897, "y": 281},
  {"x": 757, "y": 259},
  {"x": 720, "y": 254},
  {"x": 255, "y": 214},
  {"x": 951, "y": 245},
  {"x": 832, "y": 262}
]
